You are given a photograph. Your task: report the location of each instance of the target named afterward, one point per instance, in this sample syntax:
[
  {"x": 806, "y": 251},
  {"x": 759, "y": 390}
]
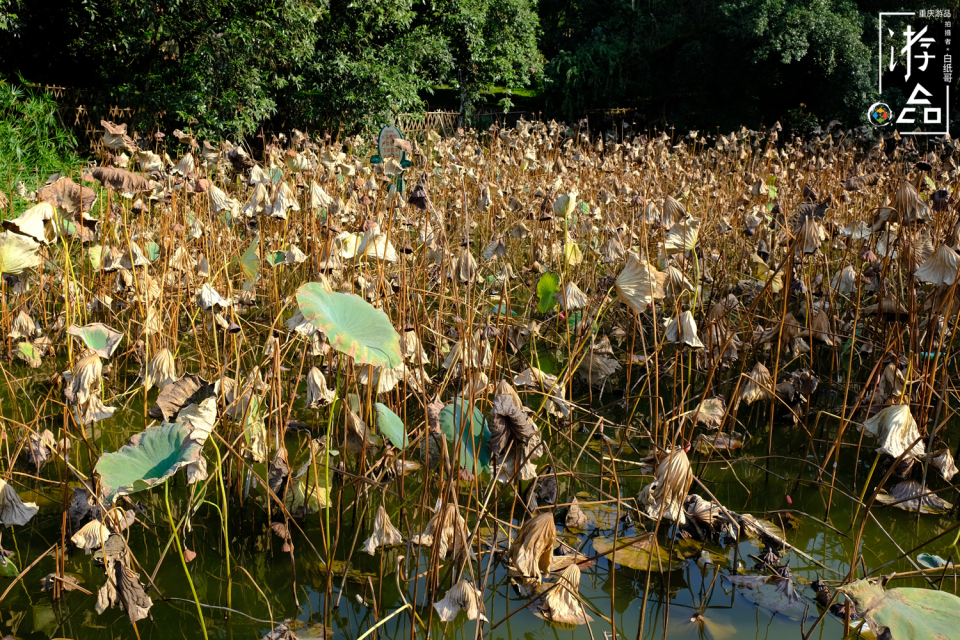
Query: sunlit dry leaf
[
  {"x": 664, "y": 496},
  {"x": 897, "y": 431},
  {"x": 461, "y": 596},
  {"x": 384, "y": 533},
  {"x": 531, "y": 551},
  {"x": 561, "y": 604}
]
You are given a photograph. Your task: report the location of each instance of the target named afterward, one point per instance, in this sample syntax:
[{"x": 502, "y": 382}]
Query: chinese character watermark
[{"x": 915, "y": 60}]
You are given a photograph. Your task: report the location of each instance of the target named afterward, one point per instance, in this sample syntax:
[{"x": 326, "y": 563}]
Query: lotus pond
[{"x": 535, "y": 384}]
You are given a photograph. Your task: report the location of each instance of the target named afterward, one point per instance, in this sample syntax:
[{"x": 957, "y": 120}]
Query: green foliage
[
  {"x": 547, "y": 288},
  {"x": 215, "y": 63},
  {"x": 391, "y": 426},
  {"x": 33, "y": 143},
  {"x": 371, "y": 58},
  {"x": 709, "y": 64},
  {"x": 472, "y": 437},
  {"x": 489, "y": 42}
]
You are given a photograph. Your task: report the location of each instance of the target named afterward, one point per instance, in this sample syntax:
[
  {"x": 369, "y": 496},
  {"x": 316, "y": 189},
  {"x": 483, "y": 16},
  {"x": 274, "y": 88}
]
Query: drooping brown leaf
[
  {"x": 121, "y": 180},
  {"x": 532, "y": 549}
]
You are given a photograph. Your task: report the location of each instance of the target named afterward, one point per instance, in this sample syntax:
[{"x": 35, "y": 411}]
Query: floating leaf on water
[
  {"x": 150, "y": 458},
  {"x": 308, "y": 495},
  {"x": 931, "y": 561},
  {"x": 772, "y": 592},
  {"x": 642, "y": 553},
  {"x": 706, "y": 443},
  {"x": 908, "y": 496},
  {"x": 709, "y": 414},
  {"x": 905, "y": 613},
  {"x": 352, "y": 325},
  {"x": 465, "y": 596},
  {"x": 99, "y": 337}
]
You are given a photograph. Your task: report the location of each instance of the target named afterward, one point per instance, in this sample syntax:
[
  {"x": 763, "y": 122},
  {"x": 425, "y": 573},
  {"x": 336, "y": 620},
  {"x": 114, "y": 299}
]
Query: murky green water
[{"x": 752, "y": 483}]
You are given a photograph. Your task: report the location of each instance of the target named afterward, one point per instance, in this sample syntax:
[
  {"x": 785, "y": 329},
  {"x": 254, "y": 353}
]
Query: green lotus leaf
[
  {"x": 352, "y": 325},
  {"x": 149, "y": 459},
  {"x": 547, "y": 287},
  {"x": 391, "y": 426},
  {"x": 931, "y": 561},
  {"x": 97, "y": 336},
  {"x": 250, "y": 260},
  {"x": 29, "y": 354},
  {"x": 17, "y": 253},
  {"x": 153, "y": 251},
  {"x": 95, "y": 256},
  {"x": 474, "y": 449},
  {"x": 7, "y": 568},
  {"x": 905, "y": 614}
]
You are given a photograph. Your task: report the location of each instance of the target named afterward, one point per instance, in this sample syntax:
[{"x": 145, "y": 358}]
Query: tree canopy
[{"x": 231, "y": 66}]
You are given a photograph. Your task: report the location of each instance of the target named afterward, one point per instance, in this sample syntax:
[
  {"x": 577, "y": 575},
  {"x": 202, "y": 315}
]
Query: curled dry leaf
[
  {"x": 664, "y": 496},
  {"x": 160, "y": 372},
  {"x": 121, "y": 180},
  {"x": 448, "y": 530},
  {"x": 684, "y": 329},
  {"x": 897, "y": 431},
  {"x": 13, "y": 510},
  {"x": 908, "y": 496},
  {"x": 122, "y": 585},
  {"x": 464, "y": 596},
  {"x": 532, "y": 550},
  {"x": 638, "y": 284},
  {"x": 561, "y": 605},
  {"x": 318, "y": 395},
  {"x": 757, "y": 385},
  {"x": 384, "y": 533}
]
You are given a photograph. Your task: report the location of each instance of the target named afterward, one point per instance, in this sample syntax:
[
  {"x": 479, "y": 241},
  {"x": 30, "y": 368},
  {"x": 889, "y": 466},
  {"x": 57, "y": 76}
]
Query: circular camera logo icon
[{"x": 880, "y": 115}]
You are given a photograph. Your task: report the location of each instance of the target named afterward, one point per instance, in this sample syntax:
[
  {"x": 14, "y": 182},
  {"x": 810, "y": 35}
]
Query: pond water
[{"x": 264, "y": 586}]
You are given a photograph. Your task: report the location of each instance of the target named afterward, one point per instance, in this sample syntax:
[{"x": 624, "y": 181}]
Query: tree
[
  {"x": 488, "y": 42},
  {"x": 694, "y": 63},
  {"x": 216, "y": 62},
  {"x": 372, "y": 58}
]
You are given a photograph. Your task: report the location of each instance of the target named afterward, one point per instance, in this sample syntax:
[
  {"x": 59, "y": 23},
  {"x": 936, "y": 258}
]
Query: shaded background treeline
[{"x": 232, "y": 66}]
